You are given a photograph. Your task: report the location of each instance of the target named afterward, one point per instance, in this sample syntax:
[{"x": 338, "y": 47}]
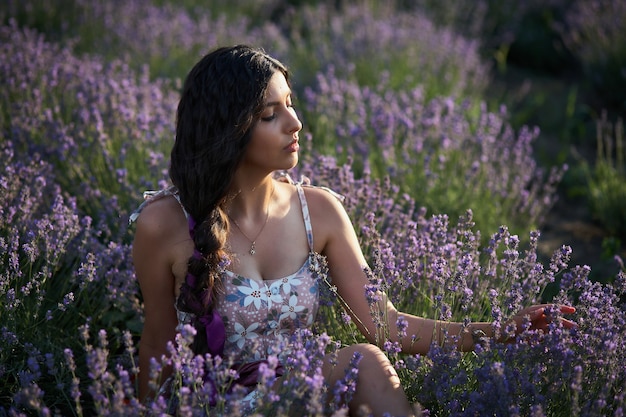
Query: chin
[{"x": 292, "y": 163}]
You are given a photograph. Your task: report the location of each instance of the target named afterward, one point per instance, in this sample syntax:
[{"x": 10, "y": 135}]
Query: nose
[{"x": 295, "y": 125}]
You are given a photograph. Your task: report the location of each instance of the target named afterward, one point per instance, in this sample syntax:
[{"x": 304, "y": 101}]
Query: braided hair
[{"x": 222, "y": 98}]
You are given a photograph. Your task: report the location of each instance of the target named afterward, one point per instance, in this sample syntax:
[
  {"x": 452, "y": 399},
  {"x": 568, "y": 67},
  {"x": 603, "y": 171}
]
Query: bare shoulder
[
  {"x": 328, "y": 216},
  {"x": 161, "y": 217},
  {"x": 162, "y": 227},
  {"x": 320, "y": 199}
]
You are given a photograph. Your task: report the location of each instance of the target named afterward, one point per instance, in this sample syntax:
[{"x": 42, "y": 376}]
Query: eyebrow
[{"x": 276, "y": 103}]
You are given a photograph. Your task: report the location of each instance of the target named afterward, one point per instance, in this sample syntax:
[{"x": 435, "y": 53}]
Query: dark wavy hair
[{"x": 222, "y": 98}]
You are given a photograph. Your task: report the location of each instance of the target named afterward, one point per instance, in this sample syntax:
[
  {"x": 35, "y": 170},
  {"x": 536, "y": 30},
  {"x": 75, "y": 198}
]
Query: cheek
[
  {"x": 262, "y": 138},
  {"x": 258, "y": 133},
  {"x": 259, "y": 147}
]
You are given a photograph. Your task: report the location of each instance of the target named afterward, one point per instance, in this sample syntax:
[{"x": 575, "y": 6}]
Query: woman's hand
[{"x": 540, "y": 316}]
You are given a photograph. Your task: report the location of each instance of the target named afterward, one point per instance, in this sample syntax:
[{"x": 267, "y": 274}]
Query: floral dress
[{"x": 259, "y": 314}]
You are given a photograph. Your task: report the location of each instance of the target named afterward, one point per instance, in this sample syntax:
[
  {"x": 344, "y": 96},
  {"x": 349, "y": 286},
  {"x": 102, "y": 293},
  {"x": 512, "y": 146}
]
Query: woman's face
[{"x": 274, "y": 142}]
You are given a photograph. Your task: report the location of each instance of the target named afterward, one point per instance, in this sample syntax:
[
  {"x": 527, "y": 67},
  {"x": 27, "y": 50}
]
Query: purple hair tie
[
  {"x": 192, "y": 224},
  {"x": 215, "y": 332}
]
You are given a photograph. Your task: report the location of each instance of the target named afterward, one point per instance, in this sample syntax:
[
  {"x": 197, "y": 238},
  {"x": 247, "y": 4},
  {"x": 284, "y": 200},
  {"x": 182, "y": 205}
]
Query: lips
[{"x": 293, "y": 146}]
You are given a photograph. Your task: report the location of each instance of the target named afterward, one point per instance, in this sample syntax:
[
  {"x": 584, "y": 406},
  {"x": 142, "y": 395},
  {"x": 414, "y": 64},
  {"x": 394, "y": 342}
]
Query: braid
[
  {"x": 198, "y": 295},
  {"x": 222, "y": 98}
]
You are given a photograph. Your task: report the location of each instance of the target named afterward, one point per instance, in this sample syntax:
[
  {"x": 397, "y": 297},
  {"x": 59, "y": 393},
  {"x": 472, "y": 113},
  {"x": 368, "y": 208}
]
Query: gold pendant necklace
[{"x": 252, "y": 250}]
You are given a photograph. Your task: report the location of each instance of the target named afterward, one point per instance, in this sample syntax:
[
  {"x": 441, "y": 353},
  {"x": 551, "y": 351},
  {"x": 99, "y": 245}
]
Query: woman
[{"x": 229, "y": 246}]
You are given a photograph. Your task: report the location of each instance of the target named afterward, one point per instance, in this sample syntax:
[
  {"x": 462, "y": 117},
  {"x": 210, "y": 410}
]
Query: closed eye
[{"x": 273, "y": 116}]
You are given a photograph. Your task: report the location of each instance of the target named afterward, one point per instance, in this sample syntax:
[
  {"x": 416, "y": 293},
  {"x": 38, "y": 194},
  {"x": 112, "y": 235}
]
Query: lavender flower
[{"x": 344, "y": 388}]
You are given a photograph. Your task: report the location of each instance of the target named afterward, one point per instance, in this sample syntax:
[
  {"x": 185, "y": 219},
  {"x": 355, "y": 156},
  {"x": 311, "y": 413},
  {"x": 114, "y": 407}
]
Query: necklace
[{"x": 252, "y": 250}]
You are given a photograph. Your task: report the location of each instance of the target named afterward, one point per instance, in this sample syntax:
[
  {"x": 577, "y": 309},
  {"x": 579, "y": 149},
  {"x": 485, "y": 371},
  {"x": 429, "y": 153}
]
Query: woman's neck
[{"x": 251, "y": 200}]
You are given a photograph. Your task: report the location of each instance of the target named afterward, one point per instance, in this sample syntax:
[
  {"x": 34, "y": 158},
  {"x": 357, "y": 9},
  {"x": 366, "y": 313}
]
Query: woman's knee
[
  {"x": 371, "y": 352},
  {"x": 378, "y": 386},
  {"x": 369, "y": 359},
  {"x": 375, "y": 363}
]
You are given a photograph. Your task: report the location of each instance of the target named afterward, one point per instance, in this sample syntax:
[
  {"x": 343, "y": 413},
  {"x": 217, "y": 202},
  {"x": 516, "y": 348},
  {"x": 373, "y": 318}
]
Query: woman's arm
[
  {"x": 334, "y": 231},
  {"x": 466, "y": 335},
  {"x": 155, "y": 252}
]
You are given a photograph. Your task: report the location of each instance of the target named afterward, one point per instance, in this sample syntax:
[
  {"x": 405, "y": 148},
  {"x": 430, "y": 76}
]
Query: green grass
[{"x": 606, "y": 180}]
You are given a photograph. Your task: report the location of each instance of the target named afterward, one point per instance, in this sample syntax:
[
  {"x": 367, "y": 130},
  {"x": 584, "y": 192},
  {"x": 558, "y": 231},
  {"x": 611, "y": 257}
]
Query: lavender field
[{"x": 447, "y": 195}]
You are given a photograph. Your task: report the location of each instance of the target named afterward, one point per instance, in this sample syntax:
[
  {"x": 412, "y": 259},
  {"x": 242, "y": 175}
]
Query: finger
[
  {"x": 567, "y": 309},
  {"x": 568, "y": 324},
  {"x": 562, "y": 307}
]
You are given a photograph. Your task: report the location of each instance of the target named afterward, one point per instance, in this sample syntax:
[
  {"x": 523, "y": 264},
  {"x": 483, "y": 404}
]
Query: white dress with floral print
[{"x": 259, "y": 314}]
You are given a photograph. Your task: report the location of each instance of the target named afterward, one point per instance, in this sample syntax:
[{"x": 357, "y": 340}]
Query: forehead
[{"x": 277, "y": 87}]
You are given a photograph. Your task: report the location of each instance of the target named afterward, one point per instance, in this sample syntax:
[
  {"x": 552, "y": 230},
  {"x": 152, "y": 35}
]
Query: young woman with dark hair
[{"x": 228, "y": 227}]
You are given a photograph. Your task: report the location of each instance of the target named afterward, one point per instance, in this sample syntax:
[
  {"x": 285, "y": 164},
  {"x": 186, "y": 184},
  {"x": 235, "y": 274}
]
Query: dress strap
[
  {"x": 306, "y": 216},
  {"x": 306, "y": 182},
  {"x": 150, "y": 196}
]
